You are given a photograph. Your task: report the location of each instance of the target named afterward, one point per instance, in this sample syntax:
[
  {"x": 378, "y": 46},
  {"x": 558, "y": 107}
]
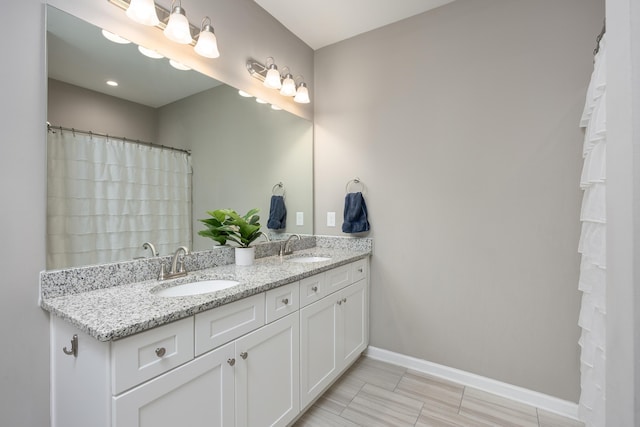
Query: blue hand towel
[
  {"x": 277, "y": 213},
  {"x": 355, "y": 214}
]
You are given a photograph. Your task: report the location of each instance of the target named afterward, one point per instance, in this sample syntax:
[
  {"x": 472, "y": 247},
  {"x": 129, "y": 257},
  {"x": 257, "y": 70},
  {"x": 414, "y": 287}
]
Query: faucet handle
[{"x": 163, "y": 272}]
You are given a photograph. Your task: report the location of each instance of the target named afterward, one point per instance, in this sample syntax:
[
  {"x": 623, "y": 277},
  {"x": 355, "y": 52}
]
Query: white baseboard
[{"x": 519, "y": 394}]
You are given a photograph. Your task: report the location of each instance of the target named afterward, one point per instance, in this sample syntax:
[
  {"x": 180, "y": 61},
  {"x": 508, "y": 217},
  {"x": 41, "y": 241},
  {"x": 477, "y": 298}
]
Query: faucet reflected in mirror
[{"x": 210, "y": 122}]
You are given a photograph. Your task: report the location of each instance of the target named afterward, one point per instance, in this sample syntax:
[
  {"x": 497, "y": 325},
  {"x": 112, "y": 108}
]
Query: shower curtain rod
[{"x": 51, "y": 128}]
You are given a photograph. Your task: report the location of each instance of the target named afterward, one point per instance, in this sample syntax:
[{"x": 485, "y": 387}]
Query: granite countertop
[{"x": 119, "y": 311}]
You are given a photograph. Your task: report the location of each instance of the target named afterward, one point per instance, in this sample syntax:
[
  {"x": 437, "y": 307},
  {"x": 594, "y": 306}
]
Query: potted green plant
[{"x": 227, "y": 225}]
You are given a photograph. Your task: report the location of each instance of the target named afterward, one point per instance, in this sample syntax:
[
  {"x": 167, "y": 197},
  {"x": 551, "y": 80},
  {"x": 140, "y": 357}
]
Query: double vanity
[{"x": 224, "y": 345}]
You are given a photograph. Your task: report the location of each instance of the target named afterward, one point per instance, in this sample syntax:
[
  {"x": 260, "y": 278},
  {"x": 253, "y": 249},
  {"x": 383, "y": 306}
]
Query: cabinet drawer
[
  {"x": 223, "y": 324},
  {"x": 282, "y": 301},
  {"x": 140, "y": 357},
  {"x": 359, "y": 270},
  {"x": 338, "y": 278},
  {"x": 312, "y": 289}
]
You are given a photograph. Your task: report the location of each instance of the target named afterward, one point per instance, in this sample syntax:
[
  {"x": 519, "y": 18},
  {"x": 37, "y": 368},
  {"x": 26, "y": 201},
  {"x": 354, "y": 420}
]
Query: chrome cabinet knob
[
  {"x": 339, "y": 302},
  {"x": 244, "y": 355},
  {"x": 161, "y": 351},
  {"x": 285, "y": 301},
  {"x": 231, "y": 361},
  {"x": 360, "y": 270},
  {"x": 344, "y": 300},
  {"x": 314, "y": 288}
]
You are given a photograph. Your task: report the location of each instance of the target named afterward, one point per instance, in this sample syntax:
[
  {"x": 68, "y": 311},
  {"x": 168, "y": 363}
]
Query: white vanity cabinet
[
  {"x": 333, "y": 330},
  {"x": 254, "y": 362}
]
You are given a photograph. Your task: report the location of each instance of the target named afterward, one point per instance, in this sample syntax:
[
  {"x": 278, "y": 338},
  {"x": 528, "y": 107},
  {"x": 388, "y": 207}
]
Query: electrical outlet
[
  {"x": 299, "y": 218},
  {"x": 331, "y": 219}
]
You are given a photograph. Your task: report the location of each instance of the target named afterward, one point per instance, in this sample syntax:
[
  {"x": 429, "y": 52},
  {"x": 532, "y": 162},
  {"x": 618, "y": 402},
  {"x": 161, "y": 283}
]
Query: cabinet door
[
  {"x": 267, "y": 374},
  {"x": 353, "y": 321},
  {"x": 318, "y": 348},
  {"x": 199, "y": 393}
]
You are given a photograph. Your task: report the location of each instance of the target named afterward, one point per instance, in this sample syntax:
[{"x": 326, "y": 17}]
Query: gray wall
[
  {"x": 463, "y": 124},
  {"x": 75, "y": 107}
]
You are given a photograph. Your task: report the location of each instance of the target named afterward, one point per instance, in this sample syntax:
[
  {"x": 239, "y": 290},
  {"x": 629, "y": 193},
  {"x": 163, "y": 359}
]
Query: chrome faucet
[
  {"x": 177, "y": 268},
  {"x": 149, "y": 245},
  {"x": 284, "y": 248}
]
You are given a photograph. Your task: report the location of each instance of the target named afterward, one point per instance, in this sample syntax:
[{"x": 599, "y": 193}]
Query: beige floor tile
[
  {"x": 485, "y": 407},
  {"x": 318, "y": 417},
  {"x": 548, "y": 419},
  {"x": 429, "y": 418},
  {"x": 438, "y": 395},
  {"x": 381, "y": 374},
  {"x": 340, "y": 394},
  {"x": 375, "y": 406}
]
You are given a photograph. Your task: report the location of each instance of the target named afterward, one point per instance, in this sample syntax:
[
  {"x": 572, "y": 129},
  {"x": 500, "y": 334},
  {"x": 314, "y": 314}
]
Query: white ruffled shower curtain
[
  {"x": 106, "y": 197},
  {"x": 592, "y": 246}
]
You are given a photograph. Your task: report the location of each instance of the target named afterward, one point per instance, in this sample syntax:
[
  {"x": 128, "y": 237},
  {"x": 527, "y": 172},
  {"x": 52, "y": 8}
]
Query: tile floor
[{"x": 374, "y": 393}]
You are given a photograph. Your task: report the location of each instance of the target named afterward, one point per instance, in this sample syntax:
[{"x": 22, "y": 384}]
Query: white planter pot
[{"x": 245, "y": 256}]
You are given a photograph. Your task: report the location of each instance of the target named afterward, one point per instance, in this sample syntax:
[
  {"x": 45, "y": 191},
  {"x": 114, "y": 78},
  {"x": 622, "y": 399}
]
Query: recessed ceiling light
[
  {"x": 178, "y": 65},
  {"x": 245, "y": 94},
  {"x": 112, "y": 83},
  {"x": 114, "y": 37},
  {"x": 150, "y": 53},
  {"x": 260, "y": 101}
]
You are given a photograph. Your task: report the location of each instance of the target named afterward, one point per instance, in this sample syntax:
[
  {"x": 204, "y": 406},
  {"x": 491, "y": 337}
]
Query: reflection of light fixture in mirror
[
  {"x": 114, "y": 37},
  {"x": 178, "y": 65},
  {"x": 177, "y": 28},
  {"x": 207, "y": 45},
  {"x": 275, "y": 107},
  {"x": 302, "y": 94},
  {"x": 143, "y": 12},
  {"x": 272, "y": 79},
  {"x": 149, "y": 52},
  {"x": 112, "y": 83},
  {"x": 260, "y": 101},
  {"x": 245, "y": 94}
]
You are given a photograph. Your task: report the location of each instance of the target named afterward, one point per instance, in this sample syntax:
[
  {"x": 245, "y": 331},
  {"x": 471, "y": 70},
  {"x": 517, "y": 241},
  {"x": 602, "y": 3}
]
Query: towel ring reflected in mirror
[
  {"x": 356, "y": 182},
  {"x": 279, "y": 187}
]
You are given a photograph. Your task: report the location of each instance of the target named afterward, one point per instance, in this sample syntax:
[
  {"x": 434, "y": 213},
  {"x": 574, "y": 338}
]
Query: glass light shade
[
  {"x": 143, "y": 12},
  {"x": 178, "y": 65},
  {"x": 288, "y": 86},
  {"x": 114, "y": 37},
  {"x": 207, "y": 45},
  {"x": 273, "y": 78},
  {"x": 260, "y": 101},
  {"x": 177, "y": 28},
  {"x": 149, "y": 52},
  {"x": 302, "y": 94},
  {"x": 245, "y": 94},
  {"x": 275, "y": 107}
]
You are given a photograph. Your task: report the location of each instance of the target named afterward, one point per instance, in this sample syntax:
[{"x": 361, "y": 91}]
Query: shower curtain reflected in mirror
[{"x": 106, "y": 197}]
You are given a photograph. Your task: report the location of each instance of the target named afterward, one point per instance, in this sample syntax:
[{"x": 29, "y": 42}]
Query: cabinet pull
[
  {"x": 314, "y": 288},
  {"x": 285, "y": 301},
  {"x": 339, "y": 302},
  {"x": 74, "y": 347},
  {"x": 161, "y": 351},
  {"x": 360, "y": 270},
  {"x": 244, "y": 355},
  {"x": 231, "y": 361},
  {"x": 344, "y": 300}
]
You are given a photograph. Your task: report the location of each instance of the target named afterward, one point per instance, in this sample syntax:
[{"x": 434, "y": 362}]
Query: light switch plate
[
  {"x": 299, "y": 218},
  {"x": 331, "y": 219}
]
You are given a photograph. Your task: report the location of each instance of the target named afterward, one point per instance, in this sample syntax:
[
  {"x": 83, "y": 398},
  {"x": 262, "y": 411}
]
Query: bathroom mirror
[{"x": 240, "y": 149}]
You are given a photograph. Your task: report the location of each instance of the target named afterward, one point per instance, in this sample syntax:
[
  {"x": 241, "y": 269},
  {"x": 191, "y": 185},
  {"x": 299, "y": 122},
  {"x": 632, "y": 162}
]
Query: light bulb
[
  {"x": 288, "y": 86},
  {"x": 143, "y": 12},
  {"x": 207, "y": 45},
  {"x": 302, "y": 94},
  {"x": 272, "y": 80},
  {"x": 177, "y": 28}
]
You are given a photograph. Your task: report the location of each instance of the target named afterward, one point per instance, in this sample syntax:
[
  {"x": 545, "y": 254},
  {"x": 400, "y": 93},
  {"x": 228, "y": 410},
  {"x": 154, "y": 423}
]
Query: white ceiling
[{"x": 321, "y": 23}]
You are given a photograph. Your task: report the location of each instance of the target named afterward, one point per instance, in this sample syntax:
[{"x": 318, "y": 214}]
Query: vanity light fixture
[
  {"x": 114, "y": 37},
  {"x": 143, "y": 12},
  {"x": 207, "y": 45},
  {"x": 275, "y": 107},
  {"x": 178, "y": 65},
  {"x": 177, "y": 28},
  {"x": 261, "y": 101},
  {"x": 244, "y": 94},
  {"x": 287, "y": 85}
]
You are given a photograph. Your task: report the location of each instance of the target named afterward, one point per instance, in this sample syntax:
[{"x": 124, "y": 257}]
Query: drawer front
[
  {"x": 223, "y": 324},
  {"x": 282, "y": 301},
  {"x": 140, "y": 357},
  {"x": 338, "y": 278},
  {"x": 359, "y": 270},
  {"x": 312, "y": 289}
]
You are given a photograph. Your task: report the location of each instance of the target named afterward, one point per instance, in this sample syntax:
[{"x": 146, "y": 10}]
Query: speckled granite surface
[{"x": 113, "y": 301}]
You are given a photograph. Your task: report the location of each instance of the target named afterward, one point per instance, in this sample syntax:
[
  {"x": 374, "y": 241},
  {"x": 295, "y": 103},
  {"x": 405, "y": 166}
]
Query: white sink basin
[
  {"x": 307, "y": 259},
  {"x": 196, "y": 288}
]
